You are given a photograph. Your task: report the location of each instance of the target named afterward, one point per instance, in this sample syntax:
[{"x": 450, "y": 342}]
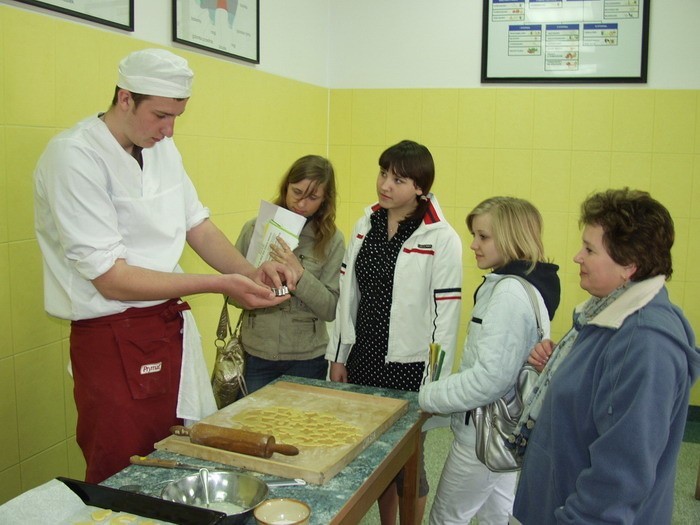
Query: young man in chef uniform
[{"x": 114, "y": 208}]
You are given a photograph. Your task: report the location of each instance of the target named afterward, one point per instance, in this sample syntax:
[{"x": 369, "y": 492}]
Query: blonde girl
[{"x": 507, "y": 234}]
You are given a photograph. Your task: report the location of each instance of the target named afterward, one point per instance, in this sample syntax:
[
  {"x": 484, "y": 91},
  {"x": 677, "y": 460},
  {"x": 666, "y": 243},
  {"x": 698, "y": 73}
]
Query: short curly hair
[{"x": 637, "y": 229}]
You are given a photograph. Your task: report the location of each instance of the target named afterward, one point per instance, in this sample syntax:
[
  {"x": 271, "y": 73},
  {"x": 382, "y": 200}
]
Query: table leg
[
  {"x": 408, "y": 502},
  {"x": 406, "y": 454}
]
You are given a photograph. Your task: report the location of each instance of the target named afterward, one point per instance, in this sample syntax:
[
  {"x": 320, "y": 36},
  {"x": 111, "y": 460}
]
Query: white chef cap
[{"x": 156, "y": 72}]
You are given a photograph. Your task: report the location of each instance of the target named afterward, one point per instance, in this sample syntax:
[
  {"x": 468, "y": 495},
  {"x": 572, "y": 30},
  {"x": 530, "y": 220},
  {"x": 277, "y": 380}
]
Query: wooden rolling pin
[{"x": 234, "y": 440}]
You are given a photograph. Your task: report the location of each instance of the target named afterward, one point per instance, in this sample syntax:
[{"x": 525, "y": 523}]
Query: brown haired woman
[
  {"x": 400, "y": 289},
  {"x": 291, "y": 338}
]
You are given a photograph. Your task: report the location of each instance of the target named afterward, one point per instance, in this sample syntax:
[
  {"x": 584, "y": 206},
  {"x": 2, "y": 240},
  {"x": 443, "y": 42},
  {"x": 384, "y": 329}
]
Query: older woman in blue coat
[{"x": 607, "y": 423}]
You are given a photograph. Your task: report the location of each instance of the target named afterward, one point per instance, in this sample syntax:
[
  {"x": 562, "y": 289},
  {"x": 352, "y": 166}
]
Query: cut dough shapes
[{"x": 299, "y": 428}]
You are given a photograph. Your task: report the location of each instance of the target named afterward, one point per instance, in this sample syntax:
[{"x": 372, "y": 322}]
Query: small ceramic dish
[{"x": 282, "y": 511}]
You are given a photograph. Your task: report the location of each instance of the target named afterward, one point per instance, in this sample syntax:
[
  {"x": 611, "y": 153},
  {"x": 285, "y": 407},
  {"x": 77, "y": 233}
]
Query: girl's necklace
[{"x": 391, "y": 229}]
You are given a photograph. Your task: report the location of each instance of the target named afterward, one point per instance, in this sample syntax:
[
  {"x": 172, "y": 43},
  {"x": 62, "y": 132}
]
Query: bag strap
[
  {"x": 533, "y": 301},
  {"x": 224, "y": 322},
  {"x": 238, "y": 323}
]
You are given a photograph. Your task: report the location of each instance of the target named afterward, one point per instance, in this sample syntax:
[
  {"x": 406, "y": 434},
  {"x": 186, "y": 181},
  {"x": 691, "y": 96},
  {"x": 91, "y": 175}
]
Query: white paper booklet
[{"x": 273, "y": 221}]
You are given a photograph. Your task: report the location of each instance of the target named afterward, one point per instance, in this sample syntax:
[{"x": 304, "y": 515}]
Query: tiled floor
[{"x": 686, "y": 507}]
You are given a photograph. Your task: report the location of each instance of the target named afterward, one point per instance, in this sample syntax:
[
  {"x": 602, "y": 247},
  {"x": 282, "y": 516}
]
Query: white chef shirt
[{"x": 94, "y": 204}]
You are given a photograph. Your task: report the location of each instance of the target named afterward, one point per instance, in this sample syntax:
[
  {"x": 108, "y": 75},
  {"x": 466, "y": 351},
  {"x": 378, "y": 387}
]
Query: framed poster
[
  {"x": 115, "y": 13},
  {"x": 227, "y": 27},
  {"x": 565, "y": 41}
]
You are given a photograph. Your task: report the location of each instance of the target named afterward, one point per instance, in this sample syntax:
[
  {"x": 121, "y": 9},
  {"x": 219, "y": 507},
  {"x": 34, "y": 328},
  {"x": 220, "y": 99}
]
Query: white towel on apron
[{"x": 195, "y": 400}]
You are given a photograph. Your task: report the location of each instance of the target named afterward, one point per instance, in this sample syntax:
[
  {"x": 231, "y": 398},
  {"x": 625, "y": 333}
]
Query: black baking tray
[{"x": 141, "y": 504}]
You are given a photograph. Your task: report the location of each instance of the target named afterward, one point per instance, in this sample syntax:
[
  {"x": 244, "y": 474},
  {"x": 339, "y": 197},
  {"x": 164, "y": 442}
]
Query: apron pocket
[{"x": 145, "y": 353}]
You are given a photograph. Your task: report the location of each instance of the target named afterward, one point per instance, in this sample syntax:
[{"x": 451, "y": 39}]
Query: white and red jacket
[{"x": 427, "y": 293}]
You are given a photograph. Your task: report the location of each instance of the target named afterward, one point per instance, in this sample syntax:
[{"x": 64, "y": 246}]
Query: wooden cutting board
[{"x": 370, "y": 415}]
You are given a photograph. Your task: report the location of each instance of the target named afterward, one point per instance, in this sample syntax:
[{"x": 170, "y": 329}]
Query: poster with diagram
[
  {"x": 226, "y": 27},
  {"x": 565, "y": 41}
]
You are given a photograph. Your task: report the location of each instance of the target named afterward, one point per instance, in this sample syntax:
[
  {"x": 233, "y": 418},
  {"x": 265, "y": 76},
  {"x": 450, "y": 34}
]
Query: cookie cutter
[{"x": 282, "y": 290}]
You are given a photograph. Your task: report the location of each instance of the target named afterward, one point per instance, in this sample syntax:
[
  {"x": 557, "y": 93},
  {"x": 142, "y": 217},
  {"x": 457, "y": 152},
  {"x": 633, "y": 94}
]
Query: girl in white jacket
[
  {"x": 400, "y": 289},
  {"x": 507, "y": 239}
]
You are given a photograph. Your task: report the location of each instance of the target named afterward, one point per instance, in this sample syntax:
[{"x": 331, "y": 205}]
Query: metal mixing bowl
[{"x": 234, "y": 493}]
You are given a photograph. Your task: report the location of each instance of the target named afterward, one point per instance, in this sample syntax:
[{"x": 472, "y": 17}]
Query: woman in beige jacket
[{"x": 291, "y": 338}]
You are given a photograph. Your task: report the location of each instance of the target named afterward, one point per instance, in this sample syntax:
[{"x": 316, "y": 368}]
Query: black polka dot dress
[{"x": 374, "y": 268}]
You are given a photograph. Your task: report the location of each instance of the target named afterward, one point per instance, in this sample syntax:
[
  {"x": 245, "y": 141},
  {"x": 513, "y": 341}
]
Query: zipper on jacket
[{"x": 312, "y": 320}]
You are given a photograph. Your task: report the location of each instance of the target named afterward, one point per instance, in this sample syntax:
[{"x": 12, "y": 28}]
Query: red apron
[{"x": 126, "y": 373}]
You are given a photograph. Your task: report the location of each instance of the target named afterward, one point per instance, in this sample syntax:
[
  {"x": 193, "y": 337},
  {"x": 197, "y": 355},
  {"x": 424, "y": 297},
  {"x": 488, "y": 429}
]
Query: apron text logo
[{"x": 151, "y": 369}]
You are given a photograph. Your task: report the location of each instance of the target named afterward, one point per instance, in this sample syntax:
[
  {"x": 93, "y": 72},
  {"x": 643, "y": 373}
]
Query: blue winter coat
[{"x": 605, "y": 445}]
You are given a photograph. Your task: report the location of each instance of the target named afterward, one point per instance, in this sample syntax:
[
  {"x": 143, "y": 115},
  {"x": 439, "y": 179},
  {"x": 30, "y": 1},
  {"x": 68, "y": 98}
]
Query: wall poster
[
  {"x": 227, "y": 27},
  {"x": 115, "y": 13},
  {"x": 565, "y": 41}
]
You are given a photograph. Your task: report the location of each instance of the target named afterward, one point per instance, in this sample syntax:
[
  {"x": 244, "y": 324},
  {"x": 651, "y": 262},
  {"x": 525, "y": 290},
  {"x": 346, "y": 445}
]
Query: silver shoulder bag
[
  {"x": 227, "y": 379},
  {"x": 497, "y": 420}
]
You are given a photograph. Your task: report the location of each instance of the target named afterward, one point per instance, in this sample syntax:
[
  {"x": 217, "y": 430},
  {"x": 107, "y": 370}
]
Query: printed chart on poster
[
  {"x": 565, "y": 41},
  {"x": 226, "y": 27},
  {"x": 115, "y": 13}
]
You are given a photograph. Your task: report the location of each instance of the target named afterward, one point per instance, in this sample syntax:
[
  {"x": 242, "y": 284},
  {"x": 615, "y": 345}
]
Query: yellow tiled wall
[
  {"x": 551, "y": 146},
  {"x": 242, "y": 129}
]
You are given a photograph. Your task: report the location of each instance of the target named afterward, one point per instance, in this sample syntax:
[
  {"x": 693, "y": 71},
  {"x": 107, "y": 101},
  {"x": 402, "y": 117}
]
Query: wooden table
[
  {"x": 406, "y": 452},
  {"x": 347, "y": 497}
]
